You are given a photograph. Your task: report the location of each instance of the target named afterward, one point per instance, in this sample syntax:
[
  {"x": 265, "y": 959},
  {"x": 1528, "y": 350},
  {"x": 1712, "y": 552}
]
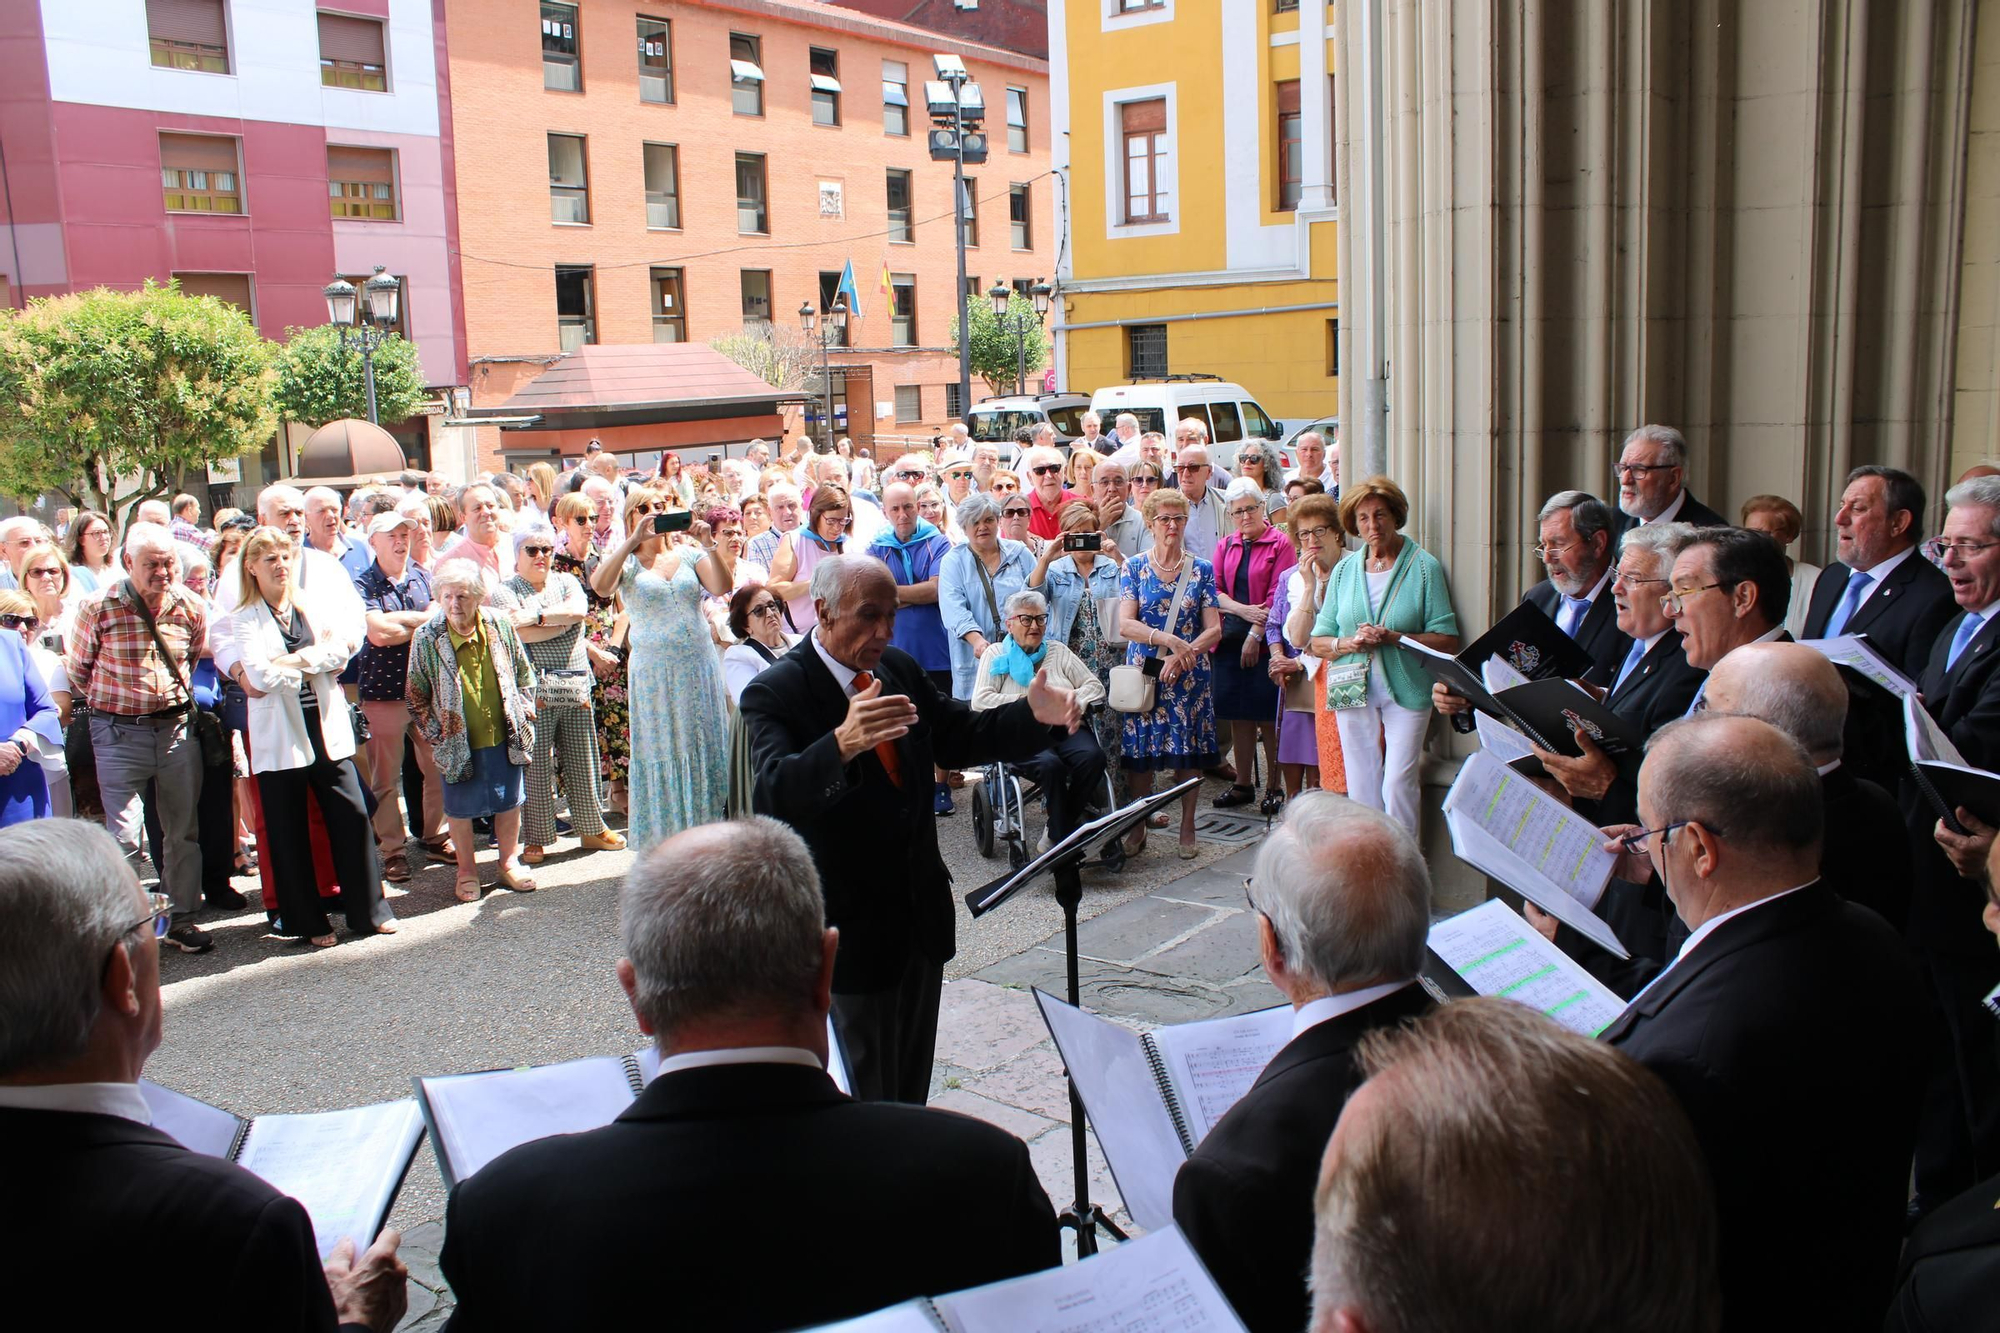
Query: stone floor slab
[
  {"x": 1131, "y": 930},
  {"x": 981, "y": 1025},
  {"x": 1023, "y": 1125},
  {"x": 1030, "y": 1082},
  {"x": 1219, "y": 953}
]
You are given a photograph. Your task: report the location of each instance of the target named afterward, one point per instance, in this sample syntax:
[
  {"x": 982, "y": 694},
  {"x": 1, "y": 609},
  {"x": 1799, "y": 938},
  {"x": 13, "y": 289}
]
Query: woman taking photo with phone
[{"x": 678, "y": 773}]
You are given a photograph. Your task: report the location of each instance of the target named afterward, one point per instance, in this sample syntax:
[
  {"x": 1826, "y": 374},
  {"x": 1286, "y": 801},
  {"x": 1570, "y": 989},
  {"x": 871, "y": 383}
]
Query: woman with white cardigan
[{"x": 302, "y": 740}]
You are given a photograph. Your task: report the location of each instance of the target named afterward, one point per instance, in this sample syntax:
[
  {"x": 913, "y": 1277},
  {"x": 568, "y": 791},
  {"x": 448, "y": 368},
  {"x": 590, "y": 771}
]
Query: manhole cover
[{"x": 1228, "y": 830}]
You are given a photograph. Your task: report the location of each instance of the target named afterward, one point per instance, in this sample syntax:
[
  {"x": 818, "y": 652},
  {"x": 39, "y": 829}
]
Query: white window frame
[
  {"x": 1113, "y": 18},
  {"x": 1114, "y": 163}
]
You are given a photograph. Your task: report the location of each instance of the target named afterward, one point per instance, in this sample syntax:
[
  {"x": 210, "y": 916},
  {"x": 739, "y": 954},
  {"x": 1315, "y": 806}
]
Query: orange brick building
[{"x": 659, "y": 172}]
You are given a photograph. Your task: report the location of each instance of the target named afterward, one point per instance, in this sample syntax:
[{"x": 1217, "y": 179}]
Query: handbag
[
  {"x": 562, "y": 689},
  {"x": 1132, "y": 688},
  {"x": 1347, "y": 675},
  {"x": 206, "y": 726}
]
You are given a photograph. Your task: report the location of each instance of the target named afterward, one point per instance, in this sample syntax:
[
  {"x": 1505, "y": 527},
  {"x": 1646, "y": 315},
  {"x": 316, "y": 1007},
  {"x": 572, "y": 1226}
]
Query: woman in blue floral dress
[{"x": 1179, "y": 732}]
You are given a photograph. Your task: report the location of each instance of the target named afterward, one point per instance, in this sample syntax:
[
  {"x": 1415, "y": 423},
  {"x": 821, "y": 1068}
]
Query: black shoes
[{"x": 188, "y": 937}]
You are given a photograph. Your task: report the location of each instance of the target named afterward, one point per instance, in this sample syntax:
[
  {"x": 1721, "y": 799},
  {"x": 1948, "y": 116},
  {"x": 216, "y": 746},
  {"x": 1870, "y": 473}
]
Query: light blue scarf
[{"x": 1018, "y": 664}]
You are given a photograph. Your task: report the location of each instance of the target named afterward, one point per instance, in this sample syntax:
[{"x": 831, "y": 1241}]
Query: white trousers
[{"x": 1382, "y": 743}]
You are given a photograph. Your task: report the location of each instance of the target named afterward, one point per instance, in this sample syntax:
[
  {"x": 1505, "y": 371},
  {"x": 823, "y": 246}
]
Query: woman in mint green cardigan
[{"x": 1388, "y": 590}]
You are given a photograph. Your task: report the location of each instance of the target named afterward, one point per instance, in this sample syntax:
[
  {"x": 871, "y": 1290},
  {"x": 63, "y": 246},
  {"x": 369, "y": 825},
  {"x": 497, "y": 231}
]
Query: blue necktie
[
  {"x": 1574, "y": 609},
  {"x": 1968, "y": 628},
  {"x": 1857, "y": 588},
  {"x": 1632, "y": 660},
  {"x": 1700, "y": 703}
]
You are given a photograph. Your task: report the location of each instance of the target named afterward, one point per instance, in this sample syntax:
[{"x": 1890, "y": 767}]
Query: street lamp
[
  {"x": 957, "y": 107},
  {"x": 836, "y": 325},
  {"x": 1039, "y": 294},
  {"x": 369, "y": 327}
]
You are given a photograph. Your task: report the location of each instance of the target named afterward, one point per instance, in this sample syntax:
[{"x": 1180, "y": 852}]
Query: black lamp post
[
  {"x": 1040, "y": 295},
  {"x": 957, "y": 110},
  {"x": 836, "y": 325},
  {"x": 368, "y": 327}
]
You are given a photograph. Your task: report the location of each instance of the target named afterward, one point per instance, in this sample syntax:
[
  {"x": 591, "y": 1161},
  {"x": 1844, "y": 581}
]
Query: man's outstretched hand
[
  {"x": 873, "y": 717},
  {"x": 1053, "y": 705}
]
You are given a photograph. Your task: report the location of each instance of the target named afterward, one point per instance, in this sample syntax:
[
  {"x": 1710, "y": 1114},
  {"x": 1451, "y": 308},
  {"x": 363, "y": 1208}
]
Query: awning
[
  {"x": 743, "y": 71},
  {"x": 598, "y": 387},
  {"x": 825, "y": 83}
]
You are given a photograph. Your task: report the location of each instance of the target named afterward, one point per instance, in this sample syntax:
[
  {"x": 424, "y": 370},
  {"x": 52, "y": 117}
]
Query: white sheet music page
[
  {"x": 480, "y": 1116},
  {"x": 1500, "y": 674},
  {"x": 1500, "y": 954},
  {"x": 909, "y": 1317},
  {"x": 1852, "y": 651},
  {"x": 208, "y": 1130},
  {"x": 1926, "y": 739},
  {"x": 1153, "y": 1284},
  {"x": 344, "y": 1166},
  {"x": 1211, "y": 1064},
  {"x": 1123, "y": 1099},
  {"x": 1500, "y": 740}
]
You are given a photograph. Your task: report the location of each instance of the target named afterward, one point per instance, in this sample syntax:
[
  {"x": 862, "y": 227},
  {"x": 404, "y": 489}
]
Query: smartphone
[
  {"x": 1152, "y": 665},
  {"x": 713, "y": 459},
  {"x": 1083, "y": 541},
  {"x": 679, "y": 520}
]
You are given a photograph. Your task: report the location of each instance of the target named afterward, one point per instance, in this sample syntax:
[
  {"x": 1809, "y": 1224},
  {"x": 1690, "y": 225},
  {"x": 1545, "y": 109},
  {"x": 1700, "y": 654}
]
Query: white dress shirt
[
  {"x": 1327, "y": 1007},
  {"x": 740, "y": 1055},
  {"x": 843, "y": 674},
  {"x": 123, "y": 1100}
]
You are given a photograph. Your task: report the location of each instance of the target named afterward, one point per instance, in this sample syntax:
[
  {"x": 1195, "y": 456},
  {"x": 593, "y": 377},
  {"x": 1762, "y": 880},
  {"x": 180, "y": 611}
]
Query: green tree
[
  {"x": 115, "y": 397},
  {"x": 319, "y": 382},
  {"x": 995, "y": 353}
]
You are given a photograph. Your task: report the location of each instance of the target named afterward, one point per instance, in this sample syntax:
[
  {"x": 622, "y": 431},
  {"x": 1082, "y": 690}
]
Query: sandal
[
  {"x": 468, "y": 888},
  {"x": 326, "y": 941},
  {"x": 246, "y": 863},
  {"x": 1188, "y": 850},
  {"x": 1273, "y": 802},
  {"x": 1135, "y": 848},
  {"x": 516, "y": 879},
  {"x": 1239, "y": 793}
]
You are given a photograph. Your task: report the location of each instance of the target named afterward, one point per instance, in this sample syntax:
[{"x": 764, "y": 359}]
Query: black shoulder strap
[{"x": 139, "y": 604}]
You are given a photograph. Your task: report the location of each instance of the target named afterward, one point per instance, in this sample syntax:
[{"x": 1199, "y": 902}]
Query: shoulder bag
[
  {"x": 1347, "y": 675},
  {"x": 207, "y": 727},
  {"x": 1133, "y": 688}
]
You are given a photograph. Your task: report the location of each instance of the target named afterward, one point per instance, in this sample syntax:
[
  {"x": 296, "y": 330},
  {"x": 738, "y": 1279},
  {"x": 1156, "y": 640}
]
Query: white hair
[
  {"x": 782, "y": 490},
  {"x": 271, "y": 495},
  {"x": 834, "y": 575},
  {"x": 1040, "y": 453},
  {"x": 1240, "y": 488},
  {"x": 459, "y": 574},
  {"x": 1195, "y": 424},
  {"x": 323, "y": 493},
  {"x": 148, "y": 537},
  {"x": 1346, "y": 891},
  {"x": 13, "y": 527},
  {"x": 976, "y": 507},
  {"x": 1025, "y": 600}
]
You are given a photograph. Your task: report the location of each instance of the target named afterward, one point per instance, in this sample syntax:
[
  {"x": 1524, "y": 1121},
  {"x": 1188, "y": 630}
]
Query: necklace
[{"x": 1168, "y": 571}]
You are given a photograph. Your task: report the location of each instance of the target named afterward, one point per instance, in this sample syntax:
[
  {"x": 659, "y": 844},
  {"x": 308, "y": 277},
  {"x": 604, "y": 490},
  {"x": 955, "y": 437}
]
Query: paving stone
[
  {"x": 1053, "y": 1158},
  {"x": 1021, "y": 1124},
  {"x": 1250, "y": 993},
  {"x": 1038, "y": 965},
  {"x": 1032, "y": 1082},
  {"x": 1148, "y": 1000},
  {"x": 981, "y": 1025},
  {"x": 1132, "y": 929},
  {"x": 1219, "y": 953}
]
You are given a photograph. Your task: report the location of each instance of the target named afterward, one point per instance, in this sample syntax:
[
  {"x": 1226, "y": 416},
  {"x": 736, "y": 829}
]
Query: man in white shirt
[
  {"x": 1311, "y": 451},
  {"x": 1342, "y": 902}
]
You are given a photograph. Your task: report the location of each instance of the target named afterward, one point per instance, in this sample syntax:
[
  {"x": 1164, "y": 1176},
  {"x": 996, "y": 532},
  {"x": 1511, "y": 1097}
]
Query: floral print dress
[
  {"x": 607, "y": 696},
  {"x": 1179, "y": 732}
]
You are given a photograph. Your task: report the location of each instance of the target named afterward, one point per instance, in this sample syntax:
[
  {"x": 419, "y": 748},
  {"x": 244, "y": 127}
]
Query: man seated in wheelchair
[{"x": 1070, "y": 772}]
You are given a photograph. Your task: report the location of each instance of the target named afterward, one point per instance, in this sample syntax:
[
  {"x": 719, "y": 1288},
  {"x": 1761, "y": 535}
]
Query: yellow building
[{"x": 1194, "y": 142}]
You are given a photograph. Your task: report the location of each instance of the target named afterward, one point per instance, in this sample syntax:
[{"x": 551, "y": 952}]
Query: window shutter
[
  {"x": 1288, "y": 98},
  {"x": 1148, "y": 117},
  {"x": 197, "y": 152},
  {"x": 367, "y": 166},
  {"x": 231, "y": 287},
  {"x": 345, "y": 38},
  {"x": 198, "y": 21}
]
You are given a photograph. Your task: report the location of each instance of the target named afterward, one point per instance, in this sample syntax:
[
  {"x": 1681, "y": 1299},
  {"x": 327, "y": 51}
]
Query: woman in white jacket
[{"x": 302, "y": 740}]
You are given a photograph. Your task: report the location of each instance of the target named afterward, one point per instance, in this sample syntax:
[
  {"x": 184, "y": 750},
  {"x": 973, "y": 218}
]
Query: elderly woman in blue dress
[
  {"x": 1178, "y": 732},
  {"x": 974, "y": 582}
]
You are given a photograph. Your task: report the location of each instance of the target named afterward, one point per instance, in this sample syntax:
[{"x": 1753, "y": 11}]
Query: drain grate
[{"x": 1228, "y": 829}]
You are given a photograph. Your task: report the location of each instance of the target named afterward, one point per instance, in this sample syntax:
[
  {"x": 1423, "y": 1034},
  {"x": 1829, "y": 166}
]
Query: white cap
[{"x": 388, "y": 523}]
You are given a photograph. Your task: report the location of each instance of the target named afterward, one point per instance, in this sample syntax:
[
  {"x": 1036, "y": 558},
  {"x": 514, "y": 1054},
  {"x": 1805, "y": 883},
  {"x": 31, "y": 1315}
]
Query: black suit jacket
[
  {"x": 746, "y": 1198},
  {"x": 875, "y": 845},
  {"x": 1598, "y": 635},
  {"x": 1951, "y": 1267},
  {"x": 1965, "y": 702},
  {"x": 1657, "y": 692},
  {"x": 1901, "y": 615},
  {"x": 1245, "y": 1199},
  {"x": 1692, "y": 511},
  {"x": 93, "y": 1195},
  {"x": 1792, "y": 1037},
  {"x": 1860, "y": 858}
]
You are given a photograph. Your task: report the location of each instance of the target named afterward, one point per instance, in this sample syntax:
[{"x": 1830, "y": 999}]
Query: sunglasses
[
  {"x": 536, "y": 550},
  {"x": 1013, "y": 513},
  {"x": 13, "y": 620},
  {"x": 766, "y": 609},
  {"x": 1045, "y": 469}
]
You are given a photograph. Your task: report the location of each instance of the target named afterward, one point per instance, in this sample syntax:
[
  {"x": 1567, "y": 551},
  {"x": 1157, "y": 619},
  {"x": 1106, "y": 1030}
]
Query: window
[
  {"x": 895, "y": 97},
  {"x": 1256, "y": 425},
  {"x": 969, "y": 205},
  {"x": 1226, "y": 423},
  {"x": 576, "y": 305},
  {"x": 1332, "y": 348},
  {"x": 1017, "y": 120},
  {"x": 198, "y": 173},
  {"x": 756, "y": 296},
  {"x": 825, "y": 76},
  {"x": 1135, "y": 6},
  {"x": 656, "y": 60},
  {"x": 231, "y": 287},
  {"x": 569, "y": 182},
  {"x": 1284, "y": 6},
  {"x": 1144, "y": 126},
  {"x": 361, "y": 182},
  {"x": 901, "y": 225},
  {"x": 351, "y": 53},
  {"x": 909, "y": 402},
  {"x": 1017, "y": 214},
  {"x": 1145, "y": 351},
  {"x": 829, "y": 284},
  {"x": 663, "y": 185},
  {"x": 746, "y": 74},
  {"x": 189, "y": 34},
  {"x": 903, "y": 310},
  {"x": 669, "y": 306},
  {"x": 562, "y": 60},
  {"x": 954, "y": 401},
  {"x": 1291, "y": 149},
  {"x": 750, "y": 214},
  {"x": 973, "y": 291}
]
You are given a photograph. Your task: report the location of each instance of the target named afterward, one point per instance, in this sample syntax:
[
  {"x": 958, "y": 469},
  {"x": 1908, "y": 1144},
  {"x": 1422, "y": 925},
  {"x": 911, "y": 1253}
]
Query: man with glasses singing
[
  {"x": 1652, "y": 482},
  {"x": 1729, "y": 587},
  {"x": 1789, "y": 1027},
  {"x": 1042, "y": 469},
  {"x": 105, "y": 1205}
]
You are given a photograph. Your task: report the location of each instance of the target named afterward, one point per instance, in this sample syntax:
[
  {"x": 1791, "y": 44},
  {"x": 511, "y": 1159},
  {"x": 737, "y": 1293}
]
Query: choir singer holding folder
[{"x": 101, "y": 1204}]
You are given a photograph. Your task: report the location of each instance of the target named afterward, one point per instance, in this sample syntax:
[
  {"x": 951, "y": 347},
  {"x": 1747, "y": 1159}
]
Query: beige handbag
[{"x": 1133, "y": 689}]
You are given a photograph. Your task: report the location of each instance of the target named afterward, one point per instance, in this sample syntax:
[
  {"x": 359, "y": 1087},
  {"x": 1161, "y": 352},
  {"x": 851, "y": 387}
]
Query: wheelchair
[{"x": 1001, "y": 800}]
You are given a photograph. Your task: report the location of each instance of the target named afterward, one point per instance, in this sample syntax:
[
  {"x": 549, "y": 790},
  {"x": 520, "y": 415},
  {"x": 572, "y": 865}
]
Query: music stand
[{"x": 1064, "y": 862}]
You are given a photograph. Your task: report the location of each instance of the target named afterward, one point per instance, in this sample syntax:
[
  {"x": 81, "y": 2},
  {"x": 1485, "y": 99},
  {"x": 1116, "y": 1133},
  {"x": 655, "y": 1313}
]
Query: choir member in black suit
[
  {"x": 1652, "y": 484},
  {"x": 1881, "y": 585},
  {"x": 844, "y": 731},
  {"x": 106, "y": 1209},
  {"x": 1790, "y": 1025},
  {"x": 742, "y": 1191},
  {"x": 1434, "y": 1206},
  {"x": 1342, "y": 898},
  {"x": 1575, "y": 548}
]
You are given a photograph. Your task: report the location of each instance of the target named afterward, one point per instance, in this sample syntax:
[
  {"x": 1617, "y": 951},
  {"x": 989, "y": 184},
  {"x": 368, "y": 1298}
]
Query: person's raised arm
[
  {"x": 1039, "y": 575},
  {"x": 784, "y": 583},
  {"x": 612, "y": 567},
  {"x": 714, "y": 575}
]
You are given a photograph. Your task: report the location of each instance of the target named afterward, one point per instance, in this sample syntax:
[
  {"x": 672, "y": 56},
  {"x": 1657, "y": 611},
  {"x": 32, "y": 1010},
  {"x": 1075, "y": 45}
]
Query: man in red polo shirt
[{"x": 1041, "y": 476}]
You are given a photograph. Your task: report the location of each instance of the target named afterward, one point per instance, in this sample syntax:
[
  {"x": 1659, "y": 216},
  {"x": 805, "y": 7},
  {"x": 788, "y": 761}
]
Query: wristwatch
[{"x": 539, "y": 613}]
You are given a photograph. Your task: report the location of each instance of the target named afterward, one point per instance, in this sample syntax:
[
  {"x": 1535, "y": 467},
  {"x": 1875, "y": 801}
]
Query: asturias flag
[{"x": 847, "y": 287}]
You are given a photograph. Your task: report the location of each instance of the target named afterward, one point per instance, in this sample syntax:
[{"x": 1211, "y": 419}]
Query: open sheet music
[
  {"x": 1152, "y": 1098},
  {"x": 478, "y": 1116},
  {"x": 1504, "y": 825},
  {"x": 1154, "y": 1284},
  {"x": 1499, "y": 953},
  {"x": 346, "y": 1167},
  {"x": 1853, "y": 652},
  {"x": 1942, "y": 775}
]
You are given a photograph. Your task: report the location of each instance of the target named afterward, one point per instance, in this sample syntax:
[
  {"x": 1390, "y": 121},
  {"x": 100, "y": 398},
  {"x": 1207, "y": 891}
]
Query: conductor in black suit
[
  {"x": 103, "y": 1208},
  {"x": 1652, "y": 482},
  {"x": 1342, "y": 899},
  {"x": 1881, "y": 585},
  {"x": 742, "y": 1191},
  {"x": 1790, "y": 1026},
  {"x": 1575, "y": 530},
  {"x": 844, "y": 731}
]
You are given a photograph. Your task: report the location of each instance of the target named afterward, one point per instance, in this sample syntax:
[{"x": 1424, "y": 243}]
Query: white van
[{"x": 1228, "y": 410}]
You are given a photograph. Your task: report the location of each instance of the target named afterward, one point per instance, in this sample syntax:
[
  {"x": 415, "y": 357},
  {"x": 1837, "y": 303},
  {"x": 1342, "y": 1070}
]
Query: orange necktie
[{"x": 886, "y": 751}]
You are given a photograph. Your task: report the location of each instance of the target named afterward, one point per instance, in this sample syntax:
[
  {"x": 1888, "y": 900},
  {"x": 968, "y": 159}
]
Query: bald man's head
[{"x": 1789, "y": 685}]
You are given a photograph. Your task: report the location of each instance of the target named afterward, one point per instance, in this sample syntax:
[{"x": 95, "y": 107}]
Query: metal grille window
[
  {"x": 351, "y": 53},
  {"x": 1291, "y": 148},
  {"x": 361, "y": 182},
  {"x": 825, "y": 76},
  {"x": 1017, "y": 120},
  {"x": 663, "y": 185},
  {"x": 746, "y": 74},
  {"x": 954, "y": 401},
  {"x": 895, "y": 97},
  {"x": 751, "y": 216},
  {"x": 1146, "y": 351},
  {"x": 756, "y": 296},
  {"x": 903, "y": 310},
  {"x": 909, "y": 402},
  {"x": 188, "y": 34},
  {"x": 656, "y": 60},
  {"x": 198, "y": 174},
  {"x": 1284, "y": 6},
  {"x": 901, "y": 224},
  {"x": 669, "y": 306},
  {"x": 1017, "y": 215},
  {"x": 569, "y": 180},
  {"x": 576, "y": 305},
  {"x": 1144, "y": 128},
  {"x": 562, "y": 53}
]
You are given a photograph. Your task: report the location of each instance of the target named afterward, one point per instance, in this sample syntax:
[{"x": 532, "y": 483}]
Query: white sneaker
[{"x": 1044, "y": 844}]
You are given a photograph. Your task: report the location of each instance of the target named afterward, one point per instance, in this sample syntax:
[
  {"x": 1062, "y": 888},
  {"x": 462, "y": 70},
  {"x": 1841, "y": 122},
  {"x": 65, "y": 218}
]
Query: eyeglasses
[
  {"x": 1676, "y": 602},
  {"x": 1249, "y": 880},
  {"x": 1244, "y": 511},
  {"x": 13, "y": 620},
  {"x": 958, "y": 474},
  {"x": 1171, "y": 518},
  {"x": 1014, "y": 513},
  {"x": 1191, "y": 467},
  {"x": 1031, "y": 622},
  {"x": 1622, "y": 577},
  {"x": 640, "y": 509},
  {"x": 1045, "y": 469},
  {"x": 1145, "y": 481},
  {"x": 46, "y": 572},
  {"x": 1636, "y": 842},
  {"x": 766, "y": 609},
  {"x": 536, "y": 550},
  {"x": 1554, "y": 549},
  {"x": 1642, "y": 470},
  {"x": 1937, "y": 548}
]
